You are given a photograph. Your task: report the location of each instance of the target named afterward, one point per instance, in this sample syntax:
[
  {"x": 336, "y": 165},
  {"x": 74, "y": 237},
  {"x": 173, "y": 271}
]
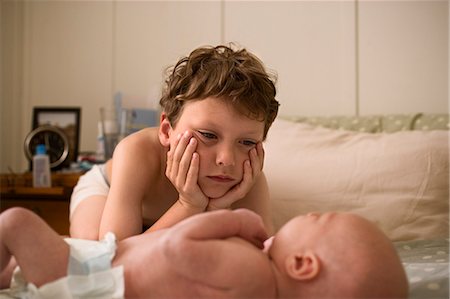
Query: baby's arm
[
  {"x": 202, "y": 244},
  {"x": 40, "y": 252},
  {"x": 224, "y": 224}
]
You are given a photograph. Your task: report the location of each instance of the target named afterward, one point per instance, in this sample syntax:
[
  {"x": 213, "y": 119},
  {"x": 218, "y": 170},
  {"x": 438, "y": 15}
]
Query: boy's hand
[
  {"x": 182, "y": 170},
  {"x": 252, "y": 169}
]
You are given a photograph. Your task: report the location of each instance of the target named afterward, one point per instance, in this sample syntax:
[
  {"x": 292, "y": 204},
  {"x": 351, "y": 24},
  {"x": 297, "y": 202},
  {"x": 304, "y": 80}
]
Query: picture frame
[{"x": 67, "y": 119}]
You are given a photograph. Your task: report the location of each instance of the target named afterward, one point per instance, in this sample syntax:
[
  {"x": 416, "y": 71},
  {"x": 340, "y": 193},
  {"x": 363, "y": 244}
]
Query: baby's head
[
  {"x": 235, "y": 76},
  {"x": 336, "y": 255}
]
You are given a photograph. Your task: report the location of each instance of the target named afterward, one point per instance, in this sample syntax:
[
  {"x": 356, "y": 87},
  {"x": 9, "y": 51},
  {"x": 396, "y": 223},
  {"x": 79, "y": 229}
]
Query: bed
[
  {"x": 426, "y": 263},
  {"x": 393, "y": 170}
]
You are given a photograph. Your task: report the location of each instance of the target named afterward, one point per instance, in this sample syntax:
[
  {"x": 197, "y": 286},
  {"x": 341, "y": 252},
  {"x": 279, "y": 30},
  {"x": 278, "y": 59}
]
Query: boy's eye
[
  {"x": 248, "y": 142},
  {"x": 208, "y": 135}
]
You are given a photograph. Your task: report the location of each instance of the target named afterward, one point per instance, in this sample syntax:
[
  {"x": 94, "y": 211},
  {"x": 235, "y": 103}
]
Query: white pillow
[{"x": 399, "y": 180}]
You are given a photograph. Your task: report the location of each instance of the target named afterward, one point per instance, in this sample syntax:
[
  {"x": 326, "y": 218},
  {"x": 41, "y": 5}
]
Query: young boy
[
  {"x": 211, "y": 255},
  {"x": 217, "y": 106}
]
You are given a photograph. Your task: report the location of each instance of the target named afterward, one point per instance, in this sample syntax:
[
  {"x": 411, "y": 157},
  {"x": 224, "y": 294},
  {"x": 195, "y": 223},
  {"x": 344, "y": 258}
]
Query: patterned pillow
[
  {"x": 377, "y": 123},
  {"x": 370, "y": 124},
  {"x": 432, "y": 122}
]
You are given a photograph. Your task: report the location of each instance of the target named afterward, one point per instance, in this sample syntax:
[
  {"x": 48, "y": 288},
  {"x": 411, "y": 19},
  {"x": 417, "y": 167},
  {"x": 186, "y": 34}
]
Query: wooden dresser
[{"x": 52, "y": 204}]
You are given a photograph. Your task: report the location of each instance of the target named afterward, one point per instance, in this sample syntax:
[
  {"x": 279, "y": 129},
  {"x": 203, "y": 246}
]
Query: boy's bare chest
[{"x": 158, "y": 198}]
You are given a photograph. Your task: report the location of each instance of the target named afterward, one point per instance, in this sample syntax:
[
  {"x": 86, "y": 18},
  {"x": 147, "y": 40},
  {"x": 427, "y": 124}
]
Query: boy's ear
[
  {"x": 302, "y": 266},
  {"x": 164, "y": 130}
]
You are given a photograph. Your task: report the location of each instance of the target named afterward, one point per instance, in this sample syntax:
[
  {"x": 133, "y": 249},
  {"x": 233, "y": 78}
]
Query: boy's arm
[
  {"x": 182, "y": 171},
  {"x": 257, "y": 200},
  {"x": 131, "y": 171},
  {"x": 253, "y": 192}
]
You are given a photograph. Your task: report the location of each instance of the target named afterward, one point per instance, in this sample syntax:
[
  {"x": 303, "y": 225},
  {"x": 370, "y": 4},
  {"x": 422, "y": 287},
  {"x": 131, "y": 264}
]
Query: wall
[
  {"x": 11, "y": 66},
  {"x": 332, "y": 57},
  {"x": 311, "y": 44},
  {"x": 404, "y": 58},
  {"x": 347, "y": 57}
]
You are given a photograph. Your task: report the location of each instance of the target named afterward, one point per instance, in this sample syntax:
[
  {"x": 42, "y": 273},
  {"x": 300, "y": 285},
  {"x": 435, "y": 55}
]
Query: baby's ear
[
  {"x": 164, "y": 130},
  {"x": 302, "y": 266}
]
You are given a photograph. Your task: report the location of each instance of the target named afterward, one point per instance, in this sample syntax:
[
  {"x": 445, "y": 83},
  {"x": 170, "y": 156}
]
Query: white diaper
[
  {"x": 93, "y": 182},
  {"x": 89, "y": 274}
]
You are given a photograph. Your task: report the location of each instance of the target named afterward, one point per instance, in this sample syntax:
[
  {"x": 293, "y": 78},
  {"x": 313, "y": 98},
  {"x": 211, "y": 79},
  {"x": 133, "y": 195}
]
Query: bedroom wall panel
[
  {"x": 11, "y": 49},
  {"x": 152, "y": 35},
  {"x": 310, "y": 44},
  {"x": 403, "y": 50}
]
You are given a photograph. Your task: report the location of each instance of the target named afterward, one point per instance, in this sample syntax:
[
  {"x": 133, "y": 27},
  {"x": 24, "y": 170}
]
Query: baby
[{"x": 216, "y": 254}]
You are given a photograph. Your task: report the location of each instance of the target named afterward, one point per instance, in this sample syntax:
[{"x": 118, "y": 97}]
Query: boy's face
[{"x": 224, "y": 139}]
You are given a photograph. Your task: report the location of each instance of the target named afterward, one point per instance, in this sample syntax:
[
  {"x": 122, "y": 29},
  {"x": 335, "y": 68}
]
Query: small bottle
[{"x": 41, "y": 168}]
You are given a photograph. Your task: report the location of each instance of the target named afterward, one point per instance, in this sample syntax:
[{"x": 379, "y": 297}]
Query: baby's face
[{"x": 224, "y": 139}]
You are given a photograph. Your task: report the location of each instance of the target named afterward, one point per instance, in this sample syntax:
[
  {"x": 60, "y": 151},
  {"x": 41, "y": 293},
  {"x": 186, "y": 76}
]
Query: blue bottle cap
[{"x": 40, "y": 149}]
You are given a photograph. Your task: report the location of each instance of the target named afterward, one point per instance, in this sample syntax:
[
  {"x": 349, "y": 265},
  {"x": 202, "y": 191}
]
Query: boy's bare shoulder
[
  {"x": 147, "y": 137},
  {"x": 138, "y": 149},
  {"x": 140, "y": 143}
]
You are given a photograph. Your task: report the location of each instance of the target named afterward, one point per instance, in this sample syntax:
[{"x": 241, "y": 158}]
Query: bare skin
[
  {"x": 219, "y": 255},
  {"x": 212, "y": 159},
  {"x": 161, "y": 249}
]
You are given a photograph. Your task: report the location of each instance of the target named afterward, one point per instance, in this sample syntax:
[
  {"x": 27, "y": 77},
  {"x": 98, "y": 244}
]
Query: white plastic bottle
[{"x": 41, "y": 168}]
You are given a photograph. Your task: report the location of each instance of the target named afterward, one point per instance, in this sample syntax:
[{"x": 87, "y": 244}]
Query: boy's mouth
[{"x": 221, "y": 178}]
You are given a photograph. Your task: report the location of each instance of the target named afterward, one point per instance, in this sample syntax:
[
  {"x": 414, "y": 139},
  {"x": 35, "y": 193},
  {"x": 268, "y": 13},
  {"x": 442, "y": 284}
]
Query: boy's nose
[{"x": 225, "y": 156}]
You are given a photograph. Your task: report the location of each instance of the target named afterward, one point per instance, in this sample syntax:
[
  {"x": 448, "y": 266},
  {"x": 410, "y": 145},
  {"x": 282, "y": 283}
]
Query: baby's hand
[
  {"x": 252, "y": 169},
  {"x": 268, "y": 244},
  {"x": 182, "y": 170},
  {"x": 252, "y": 227}
]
